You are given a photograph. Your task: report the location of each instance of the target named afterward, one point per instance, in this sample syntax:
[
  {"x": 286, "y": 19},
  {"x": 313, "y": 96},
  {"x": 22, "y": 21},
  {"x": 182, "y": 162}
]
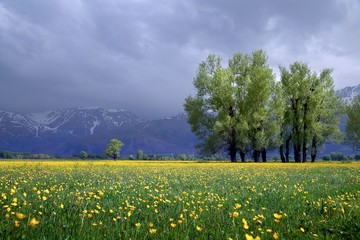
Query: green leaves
[
  {"x": 113, "y": 149},
  {"x": 232, "y": 104},
  {"x": 310, "y": 107},
  {"x": 353, "y": 124}
]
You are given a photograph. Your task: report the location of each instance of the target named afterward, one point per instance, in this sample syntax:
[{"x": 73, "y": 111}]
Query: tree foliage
[
  {"x": 83, "y": 155},
  {"x": 353, "y": 124},
  {"x": 232, "y": 109},
  {"x": 113, "y": 149},
  {"x": 311, "y": 109},
  {"x": 241, "y": 108}
]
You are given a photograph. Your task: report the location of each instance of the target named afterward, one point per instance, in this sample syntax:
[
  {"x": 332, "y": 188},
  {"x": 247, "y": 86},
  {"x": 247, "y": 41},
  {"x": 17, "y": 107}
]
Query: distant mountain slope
[
  {"x": 69, "y": 131},
  {"x": 348, "y": 93}
]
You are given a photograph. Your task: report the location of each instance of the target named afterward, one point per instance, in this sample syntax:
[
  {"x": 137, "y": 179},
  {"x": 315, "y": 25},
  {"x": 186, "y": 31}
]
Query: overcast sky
[{"x": 142, "y": 55}]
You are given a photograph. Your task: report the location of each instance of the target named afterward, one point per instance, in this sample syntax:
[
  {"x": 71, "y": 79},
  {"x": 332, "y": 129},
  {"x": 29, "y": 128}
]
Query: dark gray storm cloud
[{"x": 142, "y": 55}]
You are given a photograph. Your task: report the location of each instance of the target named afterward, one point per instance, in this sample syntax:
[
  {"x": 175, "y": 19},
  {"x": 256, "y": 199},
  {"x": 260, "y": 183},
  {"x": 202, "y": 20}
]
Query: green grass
[{"x": 187, "y": 200}]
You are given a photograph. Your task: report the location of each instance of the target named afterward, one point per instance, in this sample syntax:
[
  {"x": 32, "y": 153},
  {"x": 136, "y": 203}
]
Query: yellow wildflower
[
  {"x": 277, "y": 217},
  {"x": 248, "y": 237},
  {"x": 152, "y": 230},
  {"x": 245, "y": 224},
  {"x": 20, "y": 216},
  {"x": 33, "y": 222}
]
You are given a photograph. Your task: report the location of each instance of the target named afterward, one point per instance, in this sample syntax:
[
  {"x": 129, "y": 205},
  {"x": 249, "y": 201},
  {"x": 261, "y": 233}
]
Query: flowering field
[{"x": 179, "y": 200}]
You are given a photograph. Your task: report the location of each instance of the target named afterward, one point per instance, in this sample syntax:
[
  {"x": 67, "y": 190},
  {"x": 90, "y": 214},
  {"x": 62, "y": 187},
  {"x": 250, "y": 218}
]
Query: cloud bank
[{"x": 142, "y": 55}]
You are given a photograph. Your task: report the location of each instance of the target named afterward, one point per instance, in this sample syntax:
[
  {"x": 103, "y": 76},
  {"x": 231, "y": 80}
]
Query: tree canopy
[
  {"x": 241, "y": 108},
  {"x": 231, "y": 110},
  {"x": 113, "y": 149},
  {"x": 311, "y": 109},
  {"x": 353, "y": 126}
]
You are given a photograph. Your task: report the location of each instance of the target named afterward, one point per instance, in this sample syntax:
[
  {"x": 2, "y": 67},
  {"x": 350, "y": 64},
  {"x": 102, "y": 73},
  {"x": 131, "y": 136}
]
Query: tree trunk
[
  {"x": 304, "y": 143},
  {"x": 297, "y": 153},
  {"x": 232, "y": 151},
  {"x": 281, "y": 151},
  {"x": 304, "y": 153},
  {"x": 233, "y": 143},
  {"x": 313, "y": 149},
  {"x": 263, "y": 154},
  {"x": 287, "y": 149},
  {"x": 232, "y": 148},
  {"x": 281, "y": 148},
  {"x": 242, "y": 156},
  {"x": 296, "y": 131},
  {"x": 256, "y": 155}
]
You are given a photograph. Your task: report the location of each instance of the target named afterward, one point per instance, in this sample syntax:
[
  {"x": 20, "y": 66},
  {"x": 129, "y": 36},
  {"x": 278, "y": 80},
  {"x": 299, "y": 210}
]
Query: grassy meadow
[{"x": 178, "y": 200}]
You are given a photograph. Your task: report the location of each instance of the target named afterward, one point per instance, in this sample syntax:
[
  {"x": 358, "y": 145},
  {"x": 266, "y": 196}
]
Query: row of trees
[
  {"x": 24, "y": 155},
  {"x": 242, "y": 109},
  {"x": 338, "y": 156}
]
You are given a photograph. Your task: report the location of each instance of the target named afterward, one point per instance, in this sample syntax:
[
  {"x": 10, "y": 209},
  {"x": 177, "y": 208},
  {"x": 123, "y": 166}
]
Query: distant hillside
[
  {"x": 348, "y": 93},
  {"x": 69, "y": 131}
]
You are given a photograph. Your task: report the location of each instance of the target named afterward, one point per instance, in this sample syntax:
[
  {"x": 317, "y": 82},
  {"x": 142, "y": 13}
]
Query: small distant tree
[
  {"x": 276, "y": 157},
  {"x": 131, "y": 157},
  {"x": 182, "y": 157},
  {"x": 140, "y": 155},
  {"x": 337, "y": 156},
  {"x": 83, "y": 155},
  {"x": 113, "y": 149}
]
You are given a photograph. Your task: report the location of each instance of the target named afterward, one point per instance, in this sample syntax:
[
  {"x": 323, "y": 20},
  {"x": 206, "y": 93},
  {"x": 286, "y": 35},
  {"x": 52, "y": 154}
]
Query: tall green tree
[
  {"x": 231, "y": 110},
  {"x": 212, "y": 112},
  {"x": 260, "y": 104},
  {"x": 324, "y": 114},
  {"x": 310, "y": 109},
  {"x": 113, "y": 148},
  {"x": 353, "y": 126},
  {"x": 295, "y": 82}
]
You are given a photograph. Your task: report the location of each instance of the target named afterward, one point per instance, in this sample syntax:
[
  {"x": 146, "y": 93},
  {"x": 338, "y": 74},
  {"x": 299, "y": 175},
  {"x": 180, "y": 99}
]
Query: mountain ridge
[{"x": 68, "y": 131}]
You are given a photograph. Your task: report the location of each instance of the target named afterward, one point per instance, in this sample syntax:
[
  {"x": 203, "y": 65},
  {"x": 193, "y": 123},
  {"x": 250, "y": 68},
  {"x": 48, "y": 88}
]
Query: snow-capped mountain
[
  {"x": 15, "y": 124},
  {"x": 71, "y": 130},
  {"x": 74, "y": 121},
  {"x": 81, "y": 121},
  {"x": 348, "y": 93}
]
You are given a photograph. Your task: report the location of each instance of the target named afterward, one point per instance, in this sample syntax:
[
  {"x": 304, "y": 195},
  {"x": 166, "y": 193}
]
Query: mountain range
[{"x": 69, "y": 131}]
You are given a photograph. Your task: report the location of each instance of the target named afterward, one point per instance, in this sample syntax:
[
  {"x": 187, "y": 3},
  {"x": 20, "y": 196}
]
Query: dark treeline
[
  {"x": 333, "y": 156},
  {"x": 25, "y": 155}
]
